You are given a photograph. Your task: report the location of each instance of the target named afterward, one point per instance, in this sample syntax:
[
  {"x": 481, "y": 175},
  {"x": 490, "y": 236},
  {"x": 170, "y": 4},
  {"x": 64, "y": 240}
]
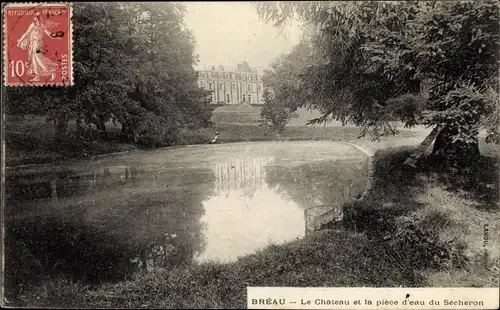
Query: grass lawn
[
  {"x": 412, "y": 230},
  {"x": 31, "y": 140}
]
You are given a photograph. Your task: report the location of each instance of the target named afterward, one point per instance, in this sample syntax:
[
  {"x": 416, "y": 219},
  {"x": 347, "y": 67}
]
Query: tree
[
  {"x": 274, "y": 113},
  {"x": 133, "y": 64},
  {"x": 456, "y": 46},
  {"x": 283, "y": 77},
  {"x": 373, "y": 58}
]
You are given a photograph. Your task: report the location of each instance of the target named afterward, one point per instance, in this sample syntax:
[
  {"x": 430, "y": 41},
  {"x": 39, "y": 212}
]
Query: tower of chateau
[{"x": 237, "y": 86}]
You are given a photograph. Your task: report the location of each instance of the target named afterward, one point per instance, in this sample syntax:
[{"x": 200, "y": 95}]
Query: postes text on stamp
[{"x": 37, "y": 44}]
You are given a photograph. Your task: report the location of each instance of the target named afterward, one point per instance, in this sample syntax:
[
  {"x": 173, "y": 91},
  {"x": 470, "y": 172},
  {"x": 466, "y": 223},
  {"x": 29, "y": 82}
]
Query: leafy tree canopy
[
  {"x": 374, "y": 62},
  {"x": 133, "y": 64}
]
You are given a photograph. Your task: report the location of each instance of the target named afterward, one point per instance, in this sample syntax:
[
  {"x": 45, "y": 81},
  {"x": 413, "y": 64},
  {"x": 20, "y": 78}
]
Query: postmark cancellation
[{"x": 38, "y": 44}]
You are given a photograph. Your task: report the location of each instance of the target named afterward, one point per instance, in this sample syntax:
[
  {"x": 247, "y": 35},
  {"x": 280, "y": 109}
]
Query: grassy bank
[
  {"x": 31, "y": 140},
  {"x": 413, "y": 229}
]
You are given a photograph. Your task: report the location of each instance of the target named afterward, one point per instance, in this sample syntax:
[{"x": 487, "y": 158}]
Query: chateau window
[
  {"x": 234, "y": 86},
  {"x": 250, "y": 98},
  {"x": 220, "y": 86},
  {"x": 228, "y": 98},
  {"x": 245, "y": 77},
  {"x": 209, "y": 85},
  {"x": 259, "y": 87},
  {"x": 244, "y": 97},
  {"x": 251, "y": 77},
  {"x": 248, "y": 87}
]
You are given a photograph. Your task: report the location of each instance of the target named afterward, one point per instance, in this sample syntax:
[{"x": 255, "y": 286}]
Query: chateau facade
[
  {"x": 241, "y": 173},
  {"x": 241, "y": 85}
]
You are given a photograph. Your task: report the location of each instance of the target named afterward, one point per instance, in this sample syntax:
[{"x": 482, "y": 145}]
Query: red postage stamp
[{"x": 37, "y": 44}]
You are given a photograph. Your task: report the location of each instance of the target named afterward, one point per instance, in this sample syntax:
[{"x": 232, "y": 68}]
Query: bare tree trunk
[
  {"x": 79, "y": 127},
  {"x": 101, "y": 126},
  {"x": 128, "y": 132},
  {"x": 61, "y": 124},
  {"x": 459, "y": 156},
  {"x": 124, "y": 128},
  {"x": 415, "y": 156}
]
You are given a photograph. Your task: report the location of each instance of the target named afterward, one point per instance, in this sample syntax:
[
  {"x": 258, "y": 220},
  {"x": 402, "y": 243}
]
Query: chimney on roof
[{"x": 221, "y": 67}]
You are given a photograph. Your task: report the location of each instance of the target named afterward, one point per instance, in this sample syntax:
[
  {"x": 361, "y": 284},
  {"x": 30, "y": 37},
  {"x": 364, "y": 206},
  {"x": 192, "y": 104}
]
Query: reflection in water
[
  {"x": 240, "y": 173},
  {"x": 102, "y": 225},
  {"x": 320, "y": 183},
  {"x": 246, "y": 214},
  {"x": 58, "y": 184},
  {"x": 104, "y": 222}
]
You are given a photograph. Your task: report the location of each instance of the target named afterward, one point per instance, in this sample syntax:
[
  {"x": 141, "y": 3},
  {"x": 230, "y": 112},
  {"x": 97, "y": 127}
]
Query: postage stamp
[{"x": 37, "y": 44}]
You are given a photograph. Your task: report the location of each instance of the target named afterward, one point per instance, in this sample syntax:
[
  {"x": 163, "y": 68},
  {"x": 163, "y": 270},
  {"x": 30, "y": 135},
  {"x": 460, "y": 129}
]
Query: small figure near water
[{"x": 215, "y": 138}]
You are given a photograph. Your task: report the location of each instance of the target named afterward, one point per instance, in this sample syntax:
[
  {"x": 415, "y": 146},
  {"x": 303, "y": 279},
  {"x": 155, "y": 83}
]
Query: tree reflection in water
[
  {"x": 93, "y": 225},
  {"x": 101, "y": 225},
  {"x": 319, "y": 183},
  {"x": 244, "y": 214}
]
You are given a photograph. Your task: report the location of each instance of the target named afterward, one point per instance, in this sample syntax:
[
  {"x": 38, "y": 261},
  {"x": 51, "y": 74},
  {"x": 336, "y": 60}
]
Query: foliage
[
  {"x": 422, "y": 242},
  {"x": 283, "y": 77},
  {"x": 133, "y": 62},
  {"x": 274, "y": 114},
  {"x": 156, "y": 131},
  {"x": 431, "y": 63}
]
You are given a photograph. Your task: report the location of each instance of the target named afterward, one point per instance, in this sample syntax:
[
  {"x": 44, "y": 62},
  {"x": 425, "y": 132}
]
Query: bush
[
  {"x": 274, "y": 114},
  {"x": 156, "y": 131},
  {"x": 414, "y": 241},
  {"x": 423, "y": 246},
  {"x": 190, "y": 137},
  {"x": 23, "y": 141}
]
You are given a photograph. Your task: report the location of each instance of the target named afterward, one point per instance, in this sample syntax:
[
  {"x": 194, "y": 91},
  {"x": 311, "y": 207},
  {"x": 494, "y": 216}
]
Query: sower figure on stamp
[{"x": 32, "y": 40}]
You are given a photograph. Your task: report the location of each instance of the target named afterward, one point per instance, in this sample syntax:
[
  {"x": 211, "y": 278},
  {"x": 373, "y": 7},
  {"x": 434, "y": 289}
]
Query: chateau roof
[{"x": 242, "y": 67}]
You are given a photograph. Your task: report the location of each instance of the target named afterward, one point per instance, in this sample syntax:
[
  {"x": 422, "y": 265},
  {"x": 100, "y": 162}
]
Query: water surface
[{"x": 105, "y": 218}]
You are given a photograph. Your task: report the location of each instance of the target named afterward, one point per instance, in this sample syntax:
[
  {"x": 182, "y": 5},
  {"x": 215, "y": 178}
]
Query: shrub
[
  {"x": 422, "y": 245},
  {"x": 195, "y": 137},
  {"x": 274, "y": 113},
  {"x": 23, "y": 141},
  {"x": 156, "y": 131},
  {"x": 69, "y": 145}
]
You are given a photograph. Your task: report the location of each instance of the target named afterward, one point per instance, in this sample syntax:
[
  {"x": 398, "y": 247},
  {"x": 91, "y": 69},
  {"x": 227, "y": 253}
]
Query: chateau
[{"x": 242, "y": 85}]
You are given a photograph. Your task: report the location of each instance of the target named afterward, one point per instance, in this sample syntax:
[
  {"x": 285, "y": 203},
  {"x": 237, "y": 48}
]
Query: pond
[{"x": 103, "y": 219}]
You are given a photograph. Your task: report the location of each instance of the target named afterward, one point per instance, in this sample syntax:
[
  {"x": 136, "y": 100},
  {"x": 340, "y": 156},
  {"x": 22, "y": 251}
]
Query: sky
[{"x": 230, "y": 32}]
